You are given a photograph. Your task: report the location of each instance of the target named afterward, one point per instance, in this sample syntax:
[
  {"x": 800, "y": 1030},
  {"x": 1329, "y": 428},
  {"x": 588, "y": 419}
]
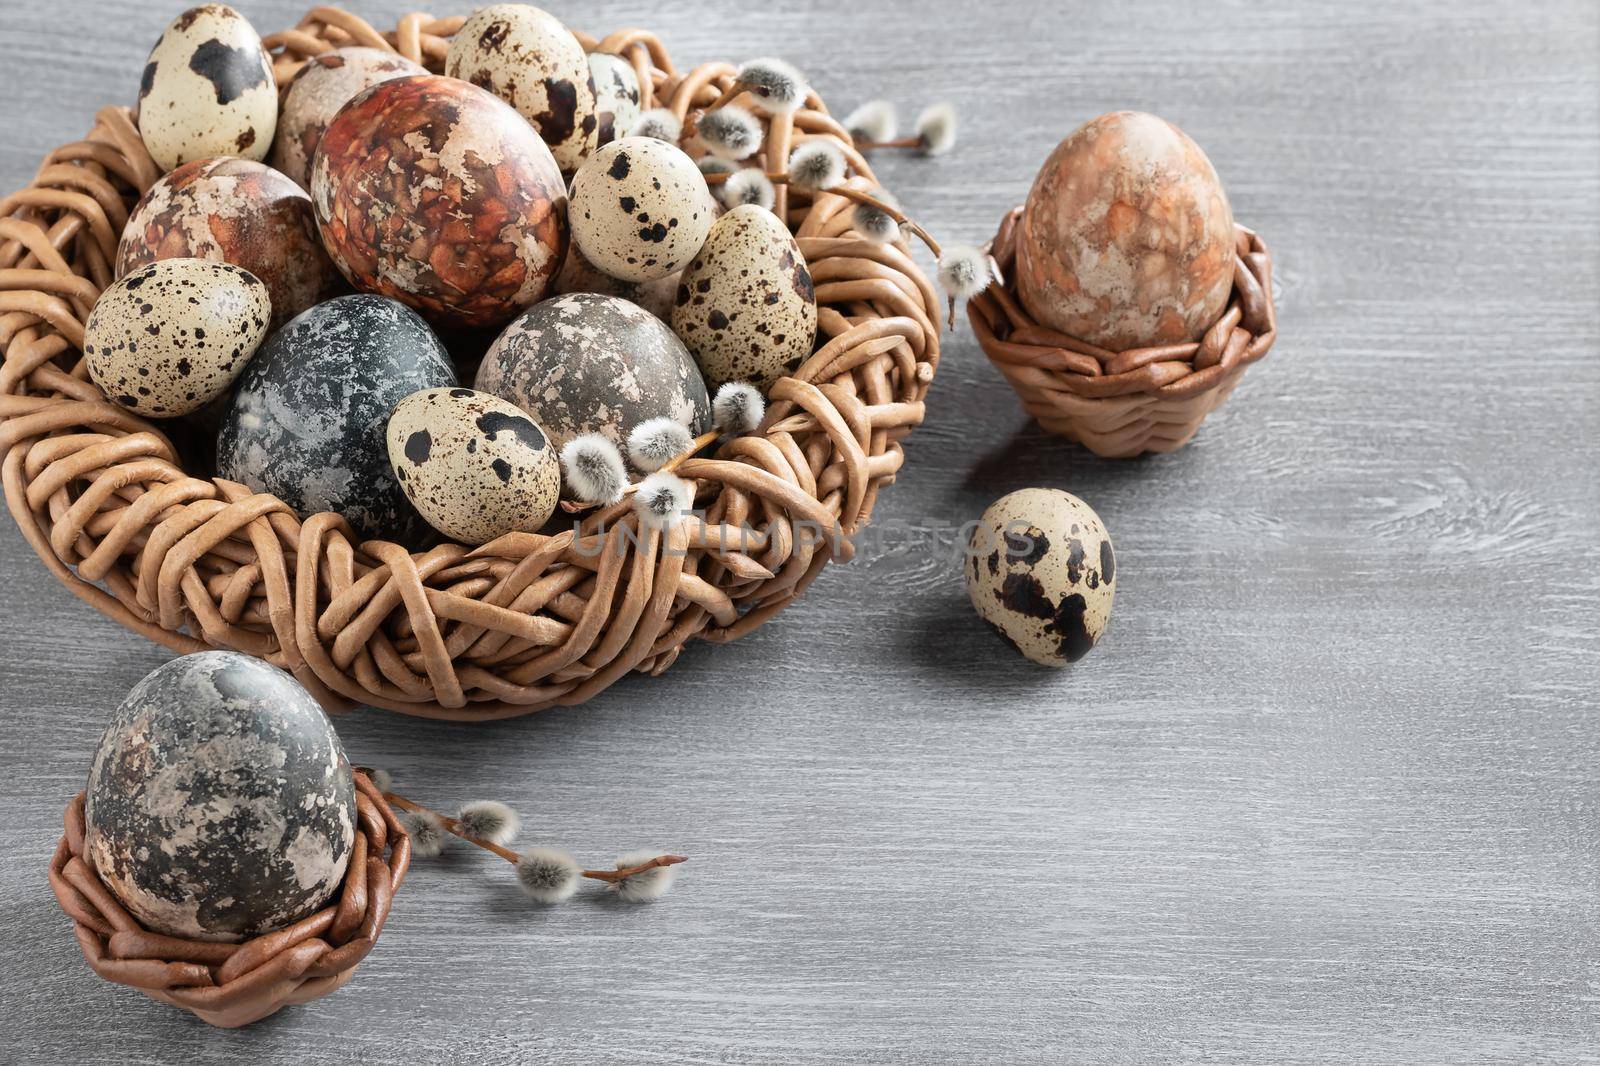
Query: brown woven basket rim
[
  {"x": 234, "y": 984},
  {"x": 526, "y": 622},
  {"x": 1242, "y": 334}
]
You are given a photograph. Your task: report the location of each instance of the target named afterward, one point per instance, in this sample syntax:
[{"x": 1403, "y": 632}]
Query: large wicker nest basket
[
  {"x": 1123, "y": 404},
  {"x": 523, "y": 623},
  {"x": 235, "y": 984}
]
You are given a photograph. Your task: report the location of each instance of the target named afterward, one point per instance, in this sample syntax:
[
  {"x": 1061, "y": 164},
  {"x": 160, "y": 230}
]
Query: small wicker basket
[
  {"x": 525, "y": 622},
  {"x": 1123, "y": 404},
  {"x": 230, "y": 985}
]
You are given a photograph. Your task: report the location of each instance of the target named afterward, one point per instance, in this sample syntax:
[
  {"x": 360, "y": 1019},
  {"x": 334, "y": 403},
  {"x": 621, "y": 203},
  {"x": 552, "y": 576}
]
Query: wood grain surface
[{"x": 1327, "y": 792}]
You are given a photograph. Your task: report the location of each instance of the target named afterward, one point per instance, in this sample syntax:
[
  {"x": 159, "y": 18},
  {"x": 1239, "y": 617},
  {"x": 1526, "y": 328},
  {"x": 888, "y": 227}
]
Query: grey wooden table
[{"x": 1326, "y": 792}]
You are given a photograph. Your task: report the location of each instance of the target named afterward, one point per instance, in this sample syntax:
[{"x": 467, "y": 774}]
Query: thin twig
[
  {"x": 613, "y": 876},
  {"x": 901, "y": 219}
]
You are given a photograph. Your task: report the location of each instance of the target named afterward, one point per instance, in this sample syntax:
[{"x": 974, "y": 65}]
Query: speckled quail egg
[
  {"x": 745, "y": 305},
  {"x": 307, "y": 421},
  {"x": 1041, "y": 571},
  {"x": 640, "y": 209},
  {"x": 616, "y": 95},
  {"x": 531, "y": 61},
  {"x": 472, "y": 464},
  {"x": 436, "y": 193},
  {"x": 220, "y": 804},
  {"x": 579, "y": 275},
  {"x": 207, "y": 90},
  {"x": 234, "y": 211},
  {"x": 316, "y": 93},
  {"x": 171, "y": 337},
  {"x": 587, "y": 363}
]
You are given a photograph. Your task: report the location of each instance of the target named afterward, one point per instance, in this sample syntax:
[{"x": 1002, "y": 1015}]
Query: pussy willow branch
[{"x": 453, "y": 826}]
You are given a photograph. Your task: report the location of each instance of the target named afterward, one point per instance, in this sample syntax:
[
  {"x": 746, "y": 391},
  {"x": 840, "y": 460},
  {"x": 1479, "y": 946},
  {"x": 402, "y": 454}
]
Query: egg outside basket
[
  {"x": 229, "y": 985},
  {"x": 520, "y": 624},
  {"x": 1122, "y": 404}
]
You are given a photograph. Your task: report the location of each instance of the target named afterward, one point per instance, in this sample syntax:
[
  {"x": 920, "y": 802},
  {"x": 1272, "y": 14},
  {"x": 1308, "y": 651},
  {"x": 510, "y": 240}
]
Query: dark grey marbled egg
[
  {"x": 1042, "y": 572},
  {"x": 587, "y": 363},
  {"x": 308, "y": 417},
  {"x": 171, "y": 337},
  {"x": 220, "y": 805},
  {"x": 475, "y": 466},
  {"x": 207, "y": 90}
]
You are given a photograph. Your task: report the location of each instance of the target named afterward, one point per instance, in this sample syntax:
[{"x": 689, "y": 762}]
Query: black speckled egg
[
  {"x": 616, "y": 95},
  {"x": 220, "y": 805},
  {"x": 1042, "y": 572},
  {"x": 308, "y": 417},
  {"x": 207, "y": 90},
  {"x": 745, "y": 306},
  {"x": 588, "y": 363},
  {"x": 640, "y": 209},
  {"x": 172, "y": 336},
  {"x": 475, "y": 466},
  {"x": 531, "y": 61}
]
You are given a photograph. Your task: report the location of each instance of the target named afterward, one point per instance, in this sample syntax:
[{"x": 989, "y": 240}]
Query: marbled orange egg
[
  {"x": 234, "y": 211},
  {"x": 435, "y": 193},
  {"x": 1127, "y": 237}
]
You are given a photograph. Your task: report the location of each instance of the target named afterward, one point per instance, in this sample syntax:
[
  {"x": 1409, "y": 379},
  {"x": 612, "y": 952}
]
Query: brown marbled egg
[
  {"x": 316, "y": 93},
  {"x": 745, "y": 306},
  {"x": 435, "y": 193},
  {"x": 527, "y": 58},
  {"x": 475, "y": 466},
  {"x": 640, "y": 209},
  {"x": 579, "y": 275},
  {"x": 1126, "y": 239},
  {"x": 1041, "y": 571},
  {"x": 171, "y": 337},
  {"x": 586, "y": 363},
  {"x": 207, "y": 90},
  {"x": 234, "y": 211}
]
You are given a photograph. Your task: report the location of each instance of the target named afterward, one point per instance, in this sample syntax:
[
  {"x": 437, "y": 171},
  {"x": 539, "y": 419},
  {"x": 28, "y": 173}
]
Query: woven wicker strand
[
  {"x": 517, "y": 625},
  {"x": 1123, "y": 404},
  {"x": 230, "y": 985}
]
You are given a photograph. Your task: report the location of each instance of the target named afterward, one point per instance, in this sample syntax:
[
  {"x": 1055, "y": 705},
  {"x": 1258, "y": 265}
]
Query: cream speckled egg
[
  {"x": 1041, "y": 571},
  {"x": 616, "y": 95},
  {"x": 207, "y": 90},
  {"x": 640, "y": 209},
  {"x": 530, "y": 60},
  {"x": 472, "y": 464},
  {"x": 171, "y": 337},
  {"x": 745, "y": 305},
  {"x": 325, "y": 84},
  {"x": 586, "y": 363}
]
